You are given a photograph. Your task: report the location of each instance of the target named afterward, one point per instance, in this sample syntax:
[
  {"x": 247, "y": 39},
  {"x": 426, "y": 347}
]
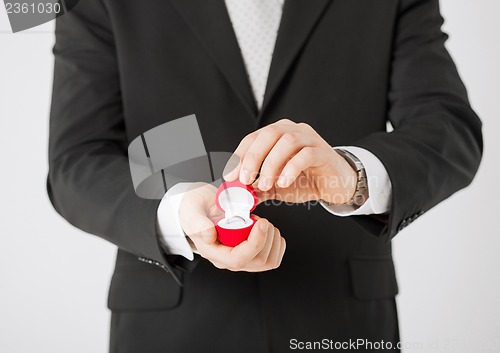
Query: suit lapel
[
  {"x": 210, "y": 23},
  {"x": 298, "y": 20}
]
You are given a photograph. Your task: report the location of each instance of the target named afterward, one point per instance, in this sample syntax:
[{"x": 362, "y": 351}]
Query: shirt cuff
[
  {"x": 379, "y": 187},
  {"x": 172, "y": 237}
]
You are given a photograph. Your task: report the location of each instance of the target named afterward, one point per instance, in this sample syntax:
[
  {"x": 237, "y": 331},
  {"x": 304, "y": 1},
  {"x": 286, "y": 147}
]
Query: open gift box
[{"x": 237, "y": 201}]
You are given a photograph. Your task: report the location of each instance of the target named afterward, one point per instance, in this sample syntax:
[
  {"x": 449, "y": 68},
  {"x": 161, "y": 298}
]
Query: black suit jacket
[{"x": 346, "y": 68}]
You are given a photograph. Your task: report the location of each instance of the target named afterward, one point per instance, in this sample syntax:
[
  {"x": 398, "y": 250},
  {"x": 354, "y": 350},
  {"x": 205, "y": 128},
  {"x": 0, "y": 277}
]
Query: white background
[{"x": 54, "y": 278}]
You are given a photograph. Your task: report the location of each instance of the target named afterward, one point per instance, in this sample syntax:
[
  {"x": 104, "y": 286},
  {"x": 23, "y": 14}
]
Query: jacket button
[{"x": 402, "y": 225}]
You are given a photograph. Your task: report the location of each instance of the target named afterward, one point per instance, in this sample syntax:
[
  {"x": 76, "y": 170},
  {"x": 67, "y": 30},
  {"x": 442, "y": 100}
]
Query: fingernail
[
  {"x": 282, "y": 181},
  {"x": 229, "y": 176},
  {"x": 262, "y": 184},
  {"x": 264, "y": 225},
  {"x": 244, "y": 176}
]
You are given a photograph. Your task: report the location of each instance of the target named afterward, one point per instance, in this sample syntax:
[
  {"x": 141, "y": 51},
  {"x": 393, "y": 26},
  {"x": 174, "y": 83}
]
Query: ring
[{"x": 232, "y": 218}]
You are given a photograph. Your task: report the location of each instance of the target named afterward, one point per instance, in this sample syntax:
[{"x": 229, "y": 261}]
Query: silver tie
[{"x": 256, "y": 24}]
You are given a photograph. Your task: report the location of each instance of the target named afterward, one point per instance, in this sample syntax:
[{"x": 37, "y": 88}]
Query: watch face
[{"x": 360, "y": 195}]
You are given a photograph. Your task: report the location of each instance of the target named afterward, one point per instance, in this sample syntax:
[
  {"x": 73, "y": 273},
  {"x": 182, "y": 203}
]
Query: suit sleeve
[
  {"x": 89, "y": 180},
  {"x": 436, "y": 146}
]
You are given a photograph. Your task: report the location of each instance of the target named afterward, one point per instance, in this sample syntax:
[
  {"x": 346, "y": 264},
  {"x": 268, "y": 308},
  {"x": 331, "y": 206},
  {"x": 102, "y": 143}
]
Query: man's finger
[
  {"x": 304, "y": 159},
  {"x": 232, "y": 173},
  {"x": 275, "y": 255},
  {"x": 254, "y": 156},
  {"x": 245, "y": 252},
  {"x": 240, "y": 255},
  {"x": 256, "y": 153},
  {"x": 288, "y": 145},
  {"x": 261, "y": 258}
]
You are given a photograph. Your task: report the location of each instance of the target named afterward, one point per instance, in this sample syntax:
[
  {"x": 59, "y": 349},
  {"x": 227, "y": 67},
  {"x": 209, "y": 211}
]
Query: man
[{"x": 340, "y": 70}]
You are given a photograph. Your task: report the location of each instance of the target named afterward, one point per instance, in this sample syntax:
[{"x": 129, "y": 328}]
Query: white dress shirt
[{"x": 256, "y": 23}]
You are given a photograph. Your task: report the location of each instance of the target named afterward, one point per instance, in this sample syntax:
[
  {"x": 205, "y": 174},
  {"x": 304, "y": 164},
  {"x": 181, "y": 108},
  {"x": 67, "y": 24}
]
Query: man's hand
[
  {"x": 262, "y": 251},
  {"x": 295, "y": 163}
]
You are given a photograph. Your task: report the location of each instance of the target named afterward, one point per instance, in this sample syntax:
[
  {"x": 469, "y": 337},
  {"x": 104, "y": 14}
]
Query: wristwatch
[{"x": 361, "y": 193}]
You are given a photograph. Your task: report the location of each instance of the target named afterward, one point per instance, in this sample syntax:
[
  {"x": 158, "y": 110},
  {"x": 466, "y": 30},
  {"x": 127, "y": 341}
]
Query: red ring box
[{"x": 237, "y": 201}]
